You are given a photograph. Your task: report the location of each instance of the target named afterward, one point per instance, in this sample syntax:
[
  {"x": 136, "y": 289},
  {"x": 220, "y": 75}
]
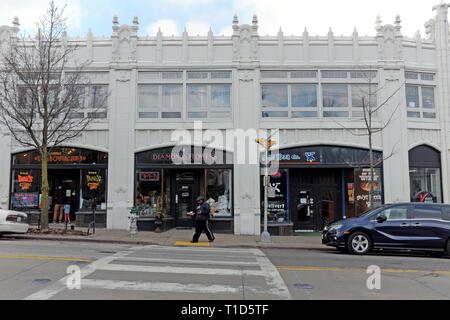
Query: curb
[{"x": 145, "y": 242}]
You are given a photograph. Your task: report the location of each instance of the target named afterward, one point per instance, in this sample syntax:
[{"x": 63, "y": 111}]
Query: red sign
[{"x": 149, "y": 176}]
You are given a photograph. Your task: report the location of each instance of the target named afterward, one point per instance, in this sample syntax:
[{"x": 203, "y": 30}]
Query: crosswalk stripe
[
  {"x": 165, "y": 287},
  {"x": 234, "y": 263},
  {"x": 179, "y": 270}
]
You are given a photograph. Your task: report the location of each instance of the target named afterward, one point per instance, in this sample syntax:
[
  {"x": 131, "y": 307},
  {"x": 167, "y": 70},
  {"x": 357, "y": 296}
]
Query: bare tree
[
  {"x": 42, "y": 92},
  {"x": 371, "y": 109}
]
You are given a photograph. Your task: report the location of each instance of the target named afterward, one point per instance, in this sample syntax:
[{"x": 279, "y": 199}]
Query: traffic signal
[
  {"x": 271, "y": 143},
  {"x": 261, "y": 141}
]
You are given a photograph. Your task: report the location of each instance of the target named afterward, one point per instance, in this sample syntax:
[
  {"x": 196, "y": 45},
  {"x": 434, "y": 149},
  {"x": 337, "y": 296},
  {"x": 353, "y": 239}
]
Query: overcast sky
[{"x": 197, "y": 16}]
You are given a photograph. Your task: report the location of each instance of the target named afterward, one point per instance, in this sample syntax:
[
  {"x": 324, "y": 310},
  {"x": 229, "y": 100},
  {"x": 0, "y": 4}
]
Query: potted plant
[{"x": 160, "y": 214}]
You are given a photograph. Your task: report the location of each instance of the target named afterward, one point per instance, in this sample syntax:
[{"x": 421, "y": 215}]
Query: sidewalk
[{"x": 178, "y": 237}]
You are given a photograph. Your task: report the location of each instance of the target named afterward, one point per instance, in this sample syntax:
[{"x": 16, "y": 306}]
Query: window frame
[
  {"x": 425, "y": 79},
  {"x": 184, "y": 79},
  {"x": 353, "y": 78}
]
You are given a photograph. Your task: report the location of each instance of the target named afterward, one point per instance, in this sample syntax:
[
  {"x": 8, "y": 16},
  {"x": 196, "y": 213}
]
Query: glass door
[{"x": 186, "y": 192}]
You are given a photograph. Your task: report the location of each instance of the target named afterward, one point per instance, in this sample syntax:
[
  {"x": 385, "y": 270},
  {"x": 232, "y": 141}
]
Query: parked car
[
  {"x": 13, "y": 222},
  {"x": 402, "y": 226}
]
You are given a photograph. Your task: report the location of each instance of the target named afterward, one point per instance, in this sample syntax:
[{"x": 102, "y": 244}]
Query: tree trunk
[
  {"x": 44, "y": 189},
  {"x": 372, "y": 171}
]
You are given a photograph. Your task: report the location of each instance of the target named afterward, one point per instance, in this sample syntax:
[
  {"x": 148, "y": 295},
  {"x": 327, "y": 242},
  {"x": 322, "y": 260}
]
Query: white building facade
[{"x": 308, "y": 87}]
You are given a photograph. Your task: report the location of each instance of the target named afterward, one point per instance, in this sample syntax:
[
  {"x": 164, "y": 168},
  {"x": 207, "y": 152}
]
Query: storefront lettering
[
  {"x": 62, "y": 158},
  {"x": 93, "y": 180},
  {"x": 25, "y": 181}
]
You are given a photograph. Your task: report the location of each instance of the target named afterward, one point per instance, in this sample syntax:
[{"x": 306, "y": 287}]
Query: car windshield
[{"x": 367, "y": 213}]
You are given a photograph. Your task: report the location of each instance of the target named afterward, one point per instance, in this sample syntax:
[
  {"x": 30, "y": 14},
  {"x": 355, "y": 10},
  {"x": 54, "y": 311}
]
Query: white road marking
[
  {"x": 201, "y": 262},
  {"x": 179, "y": 270},
  {"x": 272, "y": 275},
  {"x": 59, "y": 286},
  {"x": 275, "y": 284},
  {"x": 165, "y": 287}
]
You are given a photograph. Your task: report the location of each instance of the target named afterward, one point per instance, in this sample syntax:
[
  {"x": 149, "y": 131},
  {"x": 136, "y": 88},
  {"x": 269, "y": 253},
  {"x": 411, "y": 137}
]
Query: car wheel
[{"x": 359, "y": 243}]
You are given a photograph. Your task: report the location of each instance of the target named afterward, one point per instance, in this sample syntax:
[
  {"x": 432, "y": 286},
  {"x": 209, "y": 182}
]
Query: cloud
[
  {"x": 342, "y": 16},
  {"x": 30, "y": 11},
  {"x": 197, "y": 28},
  {"x": 168, "y": 27}
]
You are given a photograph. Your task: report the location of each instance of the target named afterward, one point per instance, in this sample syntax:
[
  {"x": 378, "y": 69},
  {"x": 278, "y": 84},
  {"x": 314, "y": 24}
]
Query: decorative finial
[
  {"x": 255, "y": 20},
  {"x": 136, "y": 21},
  {"x": 16, "y": 22},
  {"x": 235, "y": 20},
  {"x": 115, "y": 20}
]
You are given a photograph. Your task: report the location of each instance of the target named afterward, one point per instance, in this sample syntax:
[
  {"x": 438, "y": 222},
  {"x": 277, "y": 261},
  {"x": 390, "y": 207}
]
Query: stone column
[{"x": 441, "y": 38}]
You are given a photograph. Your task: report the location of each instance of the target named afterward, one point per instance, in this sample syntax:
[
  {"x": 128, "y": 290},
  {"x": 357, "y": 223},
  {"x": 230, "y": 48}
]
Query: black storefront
[
  {"x": 168, "y": 189},
  {"x": 317, "y": 185},
  {"x": 82, "y": 173}
]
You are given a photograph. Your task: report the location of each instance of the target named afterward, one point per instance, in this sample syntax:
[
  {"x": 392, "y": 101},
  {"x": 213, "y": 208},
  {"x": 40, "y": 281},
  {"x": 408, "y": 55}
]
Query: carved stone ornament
[
  {"x": 246, "y": 76},
  {"x": 123, "y": 76}
]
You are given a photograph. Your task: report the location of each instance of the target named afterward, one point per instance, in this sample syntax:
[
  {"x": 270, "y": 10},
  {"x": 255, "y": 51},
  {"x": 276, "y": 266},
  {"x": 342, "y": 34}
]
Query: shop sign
[
  {"x": 149, "y": 176},
  {"x": 351, "y": 193},
  {"x": 58, "y": 157},
  {"x": 93, "y": 179},
  {"x": 25, "y": 200},
  {"x": 25, "y": 180},
  {"x": 363, "y": 186}
]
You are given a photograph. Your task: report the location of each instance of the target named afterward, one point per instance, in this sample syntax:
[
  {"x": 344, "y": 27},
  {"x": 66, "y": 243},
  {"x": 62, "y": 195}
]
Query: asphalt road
[{"x": 48, "y": 270}]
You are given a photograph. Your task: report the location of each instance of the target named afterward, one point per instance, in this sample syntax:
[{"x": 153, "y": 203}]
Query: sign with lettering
[
  {"x": 25, "y": 200},
  {"x": 93, "y": 179},
  {"x": 149, "y": 176},
  {"x": 363, "y": 186}
]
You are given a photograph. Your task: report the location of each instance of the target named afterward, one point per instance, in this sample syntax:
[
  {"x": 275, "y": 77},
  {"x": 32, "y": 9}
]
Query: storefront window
[
  {"x": 277, "y": 198},
  {"x": 93, "y": 189},
  {"x": 425, "y": 185},
  {"x": 425, "y": 174},
  {"x": 218, "y": 191},
  {"x": 25, "y": 189},
  {"x": 149, "y": 192}
]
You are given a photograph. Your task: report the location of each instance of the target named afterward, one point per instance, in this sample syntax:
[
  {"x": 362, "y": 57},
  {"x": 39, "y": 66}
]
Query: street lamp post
[{"x": 265, "y": 235}]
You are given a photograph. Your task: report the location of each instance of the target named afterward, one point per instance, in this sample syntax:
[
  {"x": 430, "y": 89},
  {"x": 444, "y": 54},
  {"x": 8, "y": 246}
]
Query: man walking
[{"x": 202, "y": 220}]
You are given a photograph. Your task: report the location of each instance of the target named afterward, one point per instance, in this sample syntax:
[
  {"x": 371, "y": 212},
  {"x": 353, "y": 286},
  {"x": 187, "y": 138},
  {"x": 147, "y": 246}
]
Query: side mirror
[{"x": 381, "y": 219}]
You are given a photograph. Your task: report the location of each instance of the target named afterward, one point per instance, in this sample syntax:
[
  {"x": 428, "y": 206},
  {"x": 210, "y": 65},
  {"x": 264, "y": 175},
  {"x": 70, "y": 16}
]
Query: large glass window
[
  {"x": 25, "y": 191},
  {"x": 219, "y": 192},
  {"x": 160, "y": 101},
  {"x": 335, "y": 96},
  {"x": 274, "y": 96},
  {"x": 425, "y": 184},
  {"x": 420, "y": 95},
  {"x": 149, "y": 192},
  {"x": 277, "y": 198},
  {"x": 209, "y": 101},
  {"x": 425, "y": 174}
]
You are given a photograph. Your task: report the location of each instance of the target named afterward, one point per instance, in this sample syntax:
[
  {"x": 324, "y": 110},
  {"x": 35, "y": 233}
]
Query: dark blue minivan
[{"x": 401, "y": 226}]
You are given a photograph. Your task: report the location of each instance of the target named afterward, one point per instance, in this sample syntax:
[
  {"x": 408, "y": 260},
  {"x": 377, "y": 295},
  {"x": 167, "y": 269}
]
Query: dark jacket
[
  {"x": 202, "y": 212},
  {"x": 59, "y": 196}
]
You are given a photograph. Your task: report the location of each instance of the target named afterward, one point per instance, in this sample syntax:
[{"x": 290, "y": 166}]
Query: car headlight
[{"x": 336, "y": 227}]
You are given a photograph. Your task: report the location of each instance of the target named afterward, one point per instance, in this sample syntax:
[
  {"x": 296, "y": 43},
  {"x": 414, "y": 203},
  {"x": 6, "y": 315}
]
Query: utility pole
[{"x": 265, "y": 235}]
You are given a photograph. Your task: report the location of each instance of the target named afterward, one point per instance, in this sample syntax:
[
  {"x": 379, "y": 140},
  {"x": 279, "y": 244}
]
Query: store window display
[{"x": 218, "y": 191}]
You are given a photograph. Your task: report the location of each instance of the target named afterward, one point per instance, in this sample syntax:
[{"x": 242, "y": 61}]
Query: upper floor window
[
  {"x": 420, "y": 95},
  {"x": 420, "y": 101},
  {"x": 185, "y": 95},
  {"x": 340, "y": 94}
]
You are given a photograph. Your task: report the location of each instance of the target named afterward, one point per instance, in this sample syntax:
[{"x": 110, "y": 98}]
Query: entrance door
[
  {"x": 187, "y": 187},
  {"x": 314, "y": 197},
  {"x": 327, "y": 206},
  {"x": 70, "y": 181}
]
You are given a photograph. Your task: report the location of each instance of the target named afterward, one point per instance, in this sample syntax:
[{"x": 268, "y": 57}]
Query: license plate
[{"x": 19, "y": 219}]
